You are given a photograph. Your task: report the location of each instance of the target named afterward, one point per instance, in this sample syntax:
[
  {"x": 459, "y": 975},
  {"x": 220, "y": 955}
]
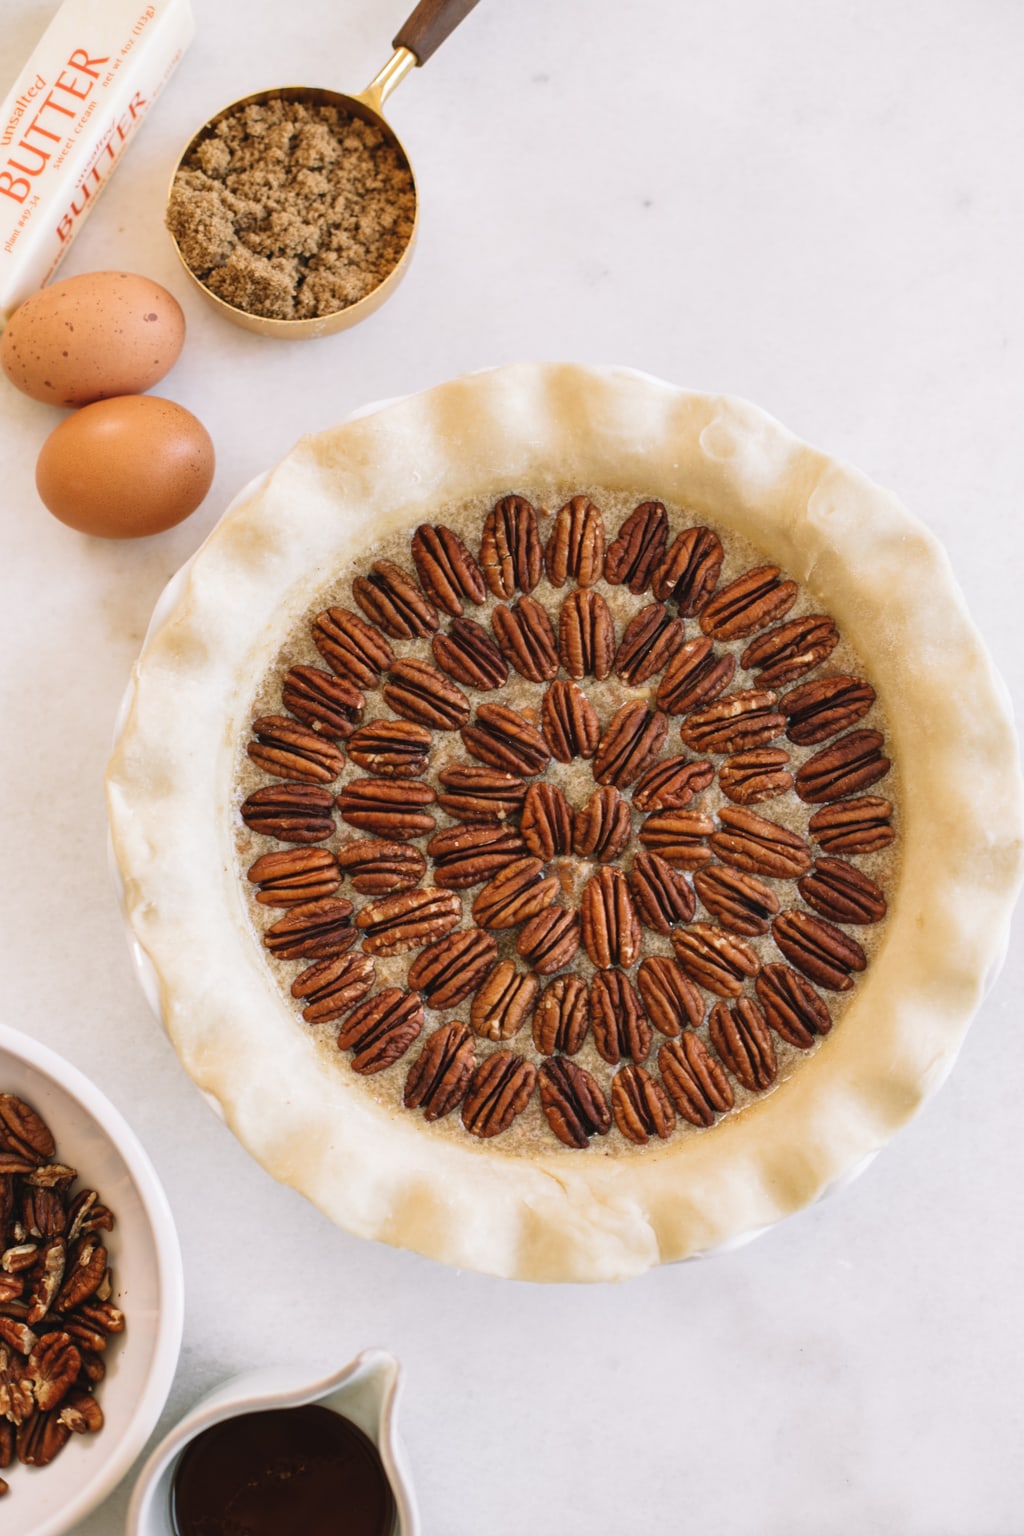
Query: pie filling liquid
[{"x": 287, "y": 1472}]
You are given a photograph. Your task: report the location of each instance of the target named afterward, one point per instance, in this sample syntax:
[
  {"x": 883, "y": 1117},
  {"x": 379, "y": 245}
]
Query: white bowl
[
  {"x": 365, "y": 1392},
  {"x": 93, "y": 1137}
]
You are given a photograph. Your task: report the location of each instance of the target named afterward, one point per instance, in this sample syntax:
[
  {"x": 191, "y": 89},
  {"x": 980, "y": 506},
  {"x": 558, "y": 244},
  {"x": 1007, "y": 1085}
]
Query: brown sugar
[{"x": 292, "y": 209}]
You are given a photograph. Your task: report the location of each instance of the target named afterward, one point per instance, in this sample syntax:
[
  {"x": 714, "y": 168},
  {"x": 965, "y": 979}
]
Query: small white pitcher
[{"x": 364, "y": 1392}]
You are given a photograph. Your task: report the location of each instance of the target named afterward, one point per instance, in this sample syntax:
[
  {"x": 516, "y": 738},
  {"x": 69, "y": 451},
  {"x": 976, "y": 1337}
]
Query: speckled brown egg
[
  {"x": 92, "y": 337},
  {"x": 127, "y": 467}
]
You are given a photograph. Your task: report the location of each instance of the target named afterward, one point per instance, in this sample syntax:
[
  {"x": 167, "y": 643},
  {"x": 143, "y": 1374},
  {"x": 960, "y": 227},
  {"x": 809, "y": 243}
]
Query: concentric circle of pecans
[
  {"x": 539, "y": 861},
  {"x": 56, "y": 1284}
]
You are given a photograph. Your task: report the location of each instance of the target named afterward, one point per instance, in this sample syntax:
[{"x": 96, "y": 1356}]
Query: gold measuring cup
[{"x": 420, "y": 36}]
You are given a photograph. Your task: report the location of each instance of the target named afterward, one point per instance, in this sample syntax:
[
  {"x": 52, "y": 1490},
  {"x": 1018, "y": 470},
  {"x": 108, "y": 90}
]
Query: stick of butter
[{"x": 70, "y": 113}]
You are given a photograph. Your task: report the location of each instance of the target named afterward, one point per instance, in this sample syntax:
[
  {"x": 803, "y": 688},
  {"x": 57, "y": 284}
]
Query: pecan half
[
  {"x": 469, "y": 655},
  {"x": 387, "y": 809},
  {"x": 440, "y": 1074},
  {"x": 501, "y": 738},
  {"x": 499, "y": 1091},
  {"x": 752, "y": 842},
  {"x": 761, "y": 774},
  {"x": 843, "y": 893},
  {"x": 663, "y": 898},
  {"x": 696, "y": 1082},
  {"x": 526, "y": 639},
  {"x": 569, "y": 722},
  {"x": 510, "y": 548},
  {"x": 610, "y": 926},
  {"x": 742, "y": 1041},
  {"x": 617, "y": 1019},
  {"x": 546, "y": 821},
  {"x": 447, "y": 571},
  {"x": 602, "y": 828},
  {"x": 791, "y": 1005},
  {"x": 376, "y": 866},
  {"x": 550, "y": 940},
  {"x": 451, "y": 968},
  {"x": 736, "y": 899},
  {"x": 576, "y": 544},
  {"x": 639, "y": 548},
  {"x": 352, "y": 648},
  {"x": 572, "y": 1100},
  {"x": 850, "y": 764},
  {"x": 48, "y": 1279},
  {"x": 679, "y": 836},
  {"x": 313, "y": 931},
  {"x": 822, "y": 708},
  {"x": 562, "y": 1016},
  {"x": 465, "y": 856},
  {"x": 84, "y": 1270},
  {"x": 670, "y": 997},
  {"x": 479, "y": 794},
  {"x": 634, "y": 736},
  {"x": 751, "y": 602},
  {"x": 291, "y": 876},
  {"x": 23, "y": 1130},
  {"x": 391, "y": 599},
  {"x": 380, "y": 1030},
  {"x": 396, "y": 749},
  {"x": 81, "y": 1413},
  {"x": 641, "y": 1106},
  {"x": 822, "y": 951},
  {"x": 52, "y": 1369},
  {"x": 516, "y": 893},
  {"x": 503, "y": 1002},
  {"x": 689, "y": 572},
  {"x": 652, "y": 637},
  {"x": 695, "y": 675},
  {"x": 40, "y": 1439},
  {"x": 586, "y": 634},
  {"x": 293, "y": 813},
  {"x": 715, "y": 960},
  {"x": 671, "y": 783},
  {"x": 328, "y": 704},
  {"x": 291, "y": 751},
  {"x": 783, "y": 654},
  {"x": 420, "y": 692},
  {"x": 331, "y": 987},
  {"x": 734, "y": 723},
  {"x": 407, "y": 920},
  {"x": 854, "y": 826}
]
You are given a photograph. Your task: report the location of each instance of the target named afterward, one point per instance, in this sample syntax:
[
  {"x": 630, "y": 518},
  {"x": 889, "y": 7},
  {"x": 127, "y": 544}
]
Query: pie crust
[{"x": 555, "y": 1214}]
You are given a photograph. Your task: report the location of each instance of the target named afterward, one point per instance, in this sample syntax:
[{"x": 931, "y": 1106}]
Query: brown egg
[
  {"x": 123, "y": 468},
  {"x": 92, "y": 337}
]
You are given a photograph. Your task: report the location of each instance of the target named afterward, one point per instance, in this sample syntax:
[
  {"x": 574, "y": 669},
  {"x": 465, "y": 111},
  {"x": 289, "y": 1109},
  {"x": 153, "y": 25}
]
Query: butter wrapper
[{"x": 70, "y": 114}]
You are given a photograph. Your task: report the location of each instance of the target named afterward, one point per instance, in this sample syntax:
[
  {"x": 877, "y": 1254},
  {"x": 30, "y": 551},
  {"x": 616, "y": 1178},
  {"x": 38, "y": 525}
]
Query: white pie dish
[
  {"x": 886, "y": 582},
  {"x": 145, "y": 1258}
]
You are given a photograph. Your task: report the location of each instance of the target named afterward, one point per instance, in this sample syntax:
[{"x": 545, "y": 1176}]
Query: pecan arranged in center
[{"x": 567, "y": 824}]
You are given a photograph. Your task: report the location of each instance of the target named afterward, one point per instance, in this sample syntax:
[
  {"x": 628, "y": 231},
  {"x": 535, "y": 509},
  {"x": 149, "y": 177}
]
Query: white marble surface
[{"x": 816, "y": 205}]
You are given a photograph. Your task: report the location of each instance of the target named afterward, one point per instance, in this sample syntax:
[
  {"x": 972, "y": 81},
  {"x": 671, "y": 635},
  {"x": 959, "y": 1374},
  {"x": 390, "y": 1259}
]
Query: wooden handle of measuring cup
[{"x": 429, "y": 25}]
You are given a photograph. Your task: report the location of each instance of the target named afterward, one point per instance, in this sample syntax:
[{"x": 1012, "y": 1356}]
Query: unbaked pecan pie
[{"x": 566, "y": 823}]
